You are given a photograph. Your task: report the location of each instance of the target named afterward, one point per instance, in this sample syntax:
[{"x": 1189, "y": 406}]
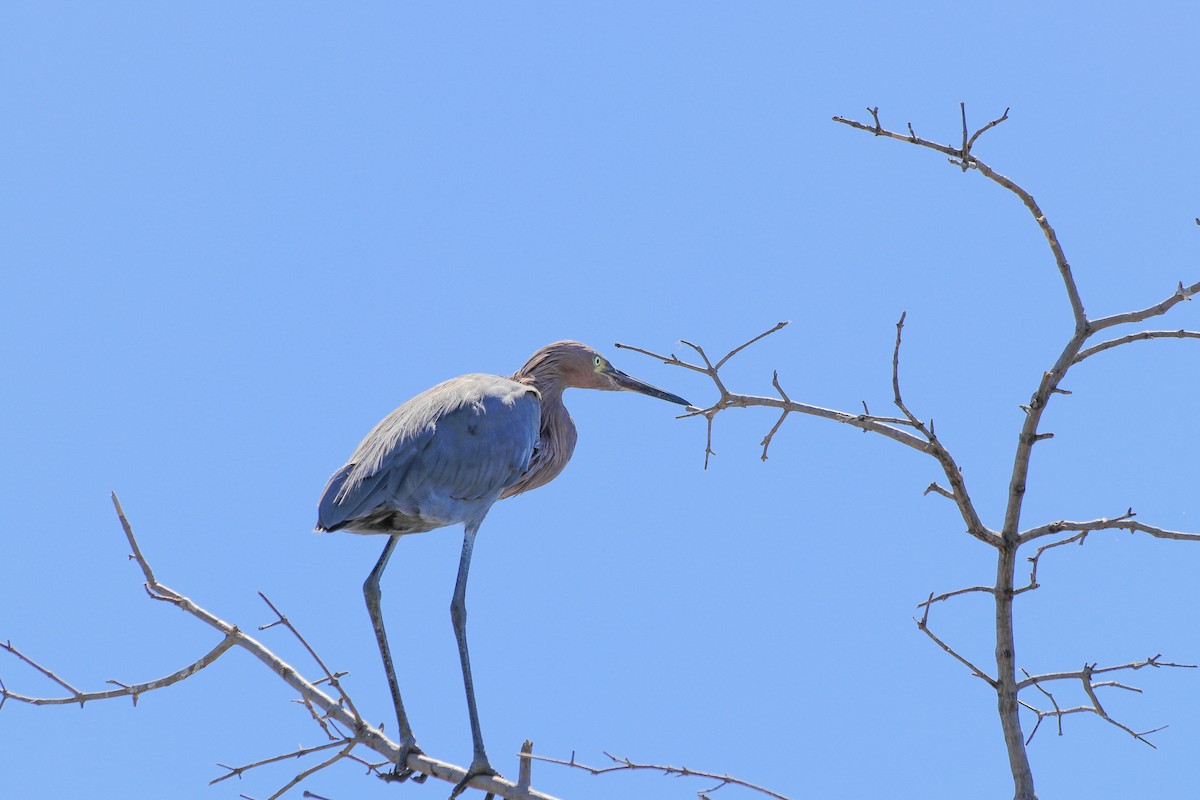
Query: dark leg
[
  {"x": 408, "y": 743},
  {"x": 458, "y": 615}
]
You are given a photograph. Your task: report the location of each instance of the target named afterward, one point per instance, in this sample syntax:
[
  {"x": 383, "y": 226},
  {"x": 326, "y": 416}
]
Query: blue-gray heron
[{"x": 444, "y": 457}]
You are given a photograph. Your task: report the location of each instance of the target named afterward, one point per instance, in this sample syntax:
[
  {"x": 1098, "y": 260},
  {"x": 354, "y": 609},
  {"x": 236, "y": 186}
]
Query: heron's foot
[
  {"x": 401, "y": 771},
  {"x": 478, "y": 768}
]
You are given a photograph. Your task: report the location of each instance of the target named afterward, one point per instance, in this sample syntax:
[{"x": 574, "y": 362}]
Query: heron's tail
[{"x": 331, "y": 515}]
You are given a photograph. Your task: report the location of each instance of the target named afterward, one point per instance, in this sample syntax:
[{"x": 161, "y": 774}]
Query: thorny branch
[
  {"x": 332, "y": 714},
  {"x": 912, "y": 431},
  {"x": 923, "y": 626},
  {"x": 1084, "y": 676},
  {"x": 626, "y": 765},
  {"x": 927, "y": 442},
  {"x": 1072, "y": 353},
  {"x": 1124, "y": 522},
  {"x": 133, "y": 691}
]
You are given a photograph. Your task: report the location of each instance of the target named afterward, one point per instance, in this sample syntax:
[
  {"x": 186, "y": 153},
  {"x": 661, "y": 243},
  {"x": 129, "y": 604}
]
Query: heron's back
[{"x": 443, "y": 457}]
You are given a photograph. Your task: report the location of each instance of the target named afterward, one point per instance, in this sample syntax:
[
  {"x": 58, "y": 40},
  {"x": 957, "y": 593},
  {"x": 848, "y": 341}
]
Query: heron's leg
[
  {"x": 408, "y": 743},
  {"x": 458, "y": 615}
]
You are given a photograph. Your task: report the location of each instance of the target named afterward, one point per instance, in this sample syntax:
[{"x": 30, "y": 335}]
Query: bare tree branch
[
  {"x": 236, "y": 772},
  {"x": 1084, "y": 676},
  {"x": 1089, "y": 670},
  {"x": 923, "y": 626},
  {"x": 927, "y": 443},
  {"x": 958, "y": 487},
  {"x": 1158, "y": 309},
  {"x": 1049, "y": 385},
  {"x": 1124, "y": 522},
  {"x": 963, "y": 158},
  {"x": 728, "y": 399},
  {"x": 323, "y": 707},
  {"x": 626, "y": 765},
  {"x": 1035, "y": 560},
  {"x": 133, "y": 690},
  {"x": 330, "y": 677},
  {"x": 1134, "y": 337},
  {"x": 941, "y": 598}
]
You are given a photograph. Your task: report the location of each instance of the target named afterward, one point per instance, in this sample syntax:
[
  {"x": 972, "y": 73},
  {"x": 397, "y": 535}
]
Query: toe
[{"x": 474, "y": 771}]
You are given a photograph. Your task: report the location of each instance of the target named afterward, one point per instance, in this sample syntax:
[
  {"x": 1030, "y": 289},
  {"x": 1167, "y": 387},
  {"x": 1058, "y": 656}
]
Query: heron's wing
[
  {"x": 353, "y": 492},
  {"x": 440, "y": 457}
]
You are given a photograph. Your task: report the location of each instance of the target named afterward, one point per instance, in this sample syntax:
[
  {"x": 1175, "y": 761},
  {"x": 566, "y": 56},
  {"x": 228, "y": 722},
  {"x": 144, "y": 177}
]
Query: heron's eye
[{"x": 599, "y": 362}]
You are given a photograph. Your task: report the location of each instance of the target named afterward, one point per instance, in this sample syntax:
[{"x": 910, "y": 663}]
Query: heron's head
[{"x": 569, "y": 364}]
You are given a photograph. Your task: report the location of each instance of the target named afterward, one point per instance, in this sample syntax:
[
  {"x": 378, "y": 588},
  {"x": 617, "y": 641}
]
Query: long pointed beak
[{"x": 631, "y": 384}]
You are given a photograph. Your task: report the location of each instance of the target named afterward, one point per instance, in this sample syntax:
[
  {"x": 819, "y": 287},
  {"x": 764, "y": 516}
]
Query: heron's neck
[
  {"x": 545, "y": 378},
  {"x": 556, "y": 435}
]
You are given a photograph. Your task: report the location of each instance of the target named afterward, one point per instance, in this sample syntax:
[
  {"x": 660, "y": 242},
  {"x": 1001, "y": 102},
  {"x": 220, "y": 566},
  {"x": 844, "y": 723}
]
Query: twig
[
  {"x": 778, "y": 327},
  {"x": 959, "y": 493},
  {"x": 1041, "y": 715},
  {"x": 766, "y": 442},
  {"x": 336, "y": 757},
  {"x": 1180, "y": 294},
  {"x": 312, "y": 696},
  {"x": 941, "y": 598},
  {"x": 1124, "y": 522},
  {"x": 1153, "y": 661},
  {"x": 885, "y": 426},
  {"x": 963, "y": 158},
  {"x": 1036, "y": 559},
  {"x": 330, "y": 677},
  {"x": 923, "y": 625},
  {"x": 236, "y": 772},
  {"x": 1084, "y": 676},
  {"x": 937, "y": 489},
  {"x": 726, "y": 399},
  {"x": 133, "y": 690},
  {"x": 625, "y": 764},
  {"x": 985, "y": 128},
  {"x": 1134, "y": 337}
]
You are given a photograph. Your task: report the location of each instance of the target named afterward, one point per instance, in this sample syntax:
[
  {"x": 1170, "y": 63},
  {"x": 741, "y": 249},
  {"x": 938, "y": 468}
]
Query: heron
[{"x": 444, "y": 458}]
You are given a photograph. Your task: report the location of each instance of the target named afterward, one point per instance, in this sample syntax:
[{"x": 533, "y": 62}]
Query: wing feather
[{"x": 443, "y": 457}]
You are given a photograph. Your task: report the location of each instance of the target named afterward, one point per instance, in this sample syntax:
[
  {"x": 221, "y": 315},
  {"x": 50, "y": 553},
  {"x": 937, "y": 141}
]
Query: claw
[
  {"x": 474, "y": 771},
  {"x": 400, "y": 773}
]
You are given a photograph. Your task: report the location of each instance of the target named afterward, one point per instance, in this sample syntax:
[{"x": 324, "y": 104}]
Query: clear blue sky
[{"x": 234, "y": 236}]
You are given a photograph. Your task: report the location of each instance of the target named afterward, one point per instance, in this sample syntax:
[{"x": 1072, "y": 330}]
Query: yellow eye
[{"x": 599, "y": 362}]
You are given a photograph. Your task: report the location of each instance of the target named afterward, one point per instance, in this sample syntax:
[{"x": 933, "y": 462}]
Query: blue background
[{"x": 234, "y": 236}]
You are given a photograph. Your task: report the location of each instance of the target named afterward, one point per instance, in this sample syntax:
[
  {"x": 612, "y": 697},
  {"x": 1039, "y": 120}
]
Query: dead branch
[
  {"x": 963, "y": 158},
  {"x": 923, "y": 626},
  {"x": 958, "y": 488},
  {"x": 330, "y": 677},
  {"x": 1134, "y": 337},
  {"x": 1180, "y": 294},
  {"x": 324, "y": 708},
  {"x": 1084, "y": 676},
  {"x": 941, "y": 598},
  {"x": 1008, "y": 539},
  {"x": 1089, "y": 670},
  {"x": 1124, "y": 522},
  {"x": 627, "y": 765},
  {"x": 125, "y": 690},
  {"x": 926, "y": 443},
  {"x": 1035, "y": 560}
]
